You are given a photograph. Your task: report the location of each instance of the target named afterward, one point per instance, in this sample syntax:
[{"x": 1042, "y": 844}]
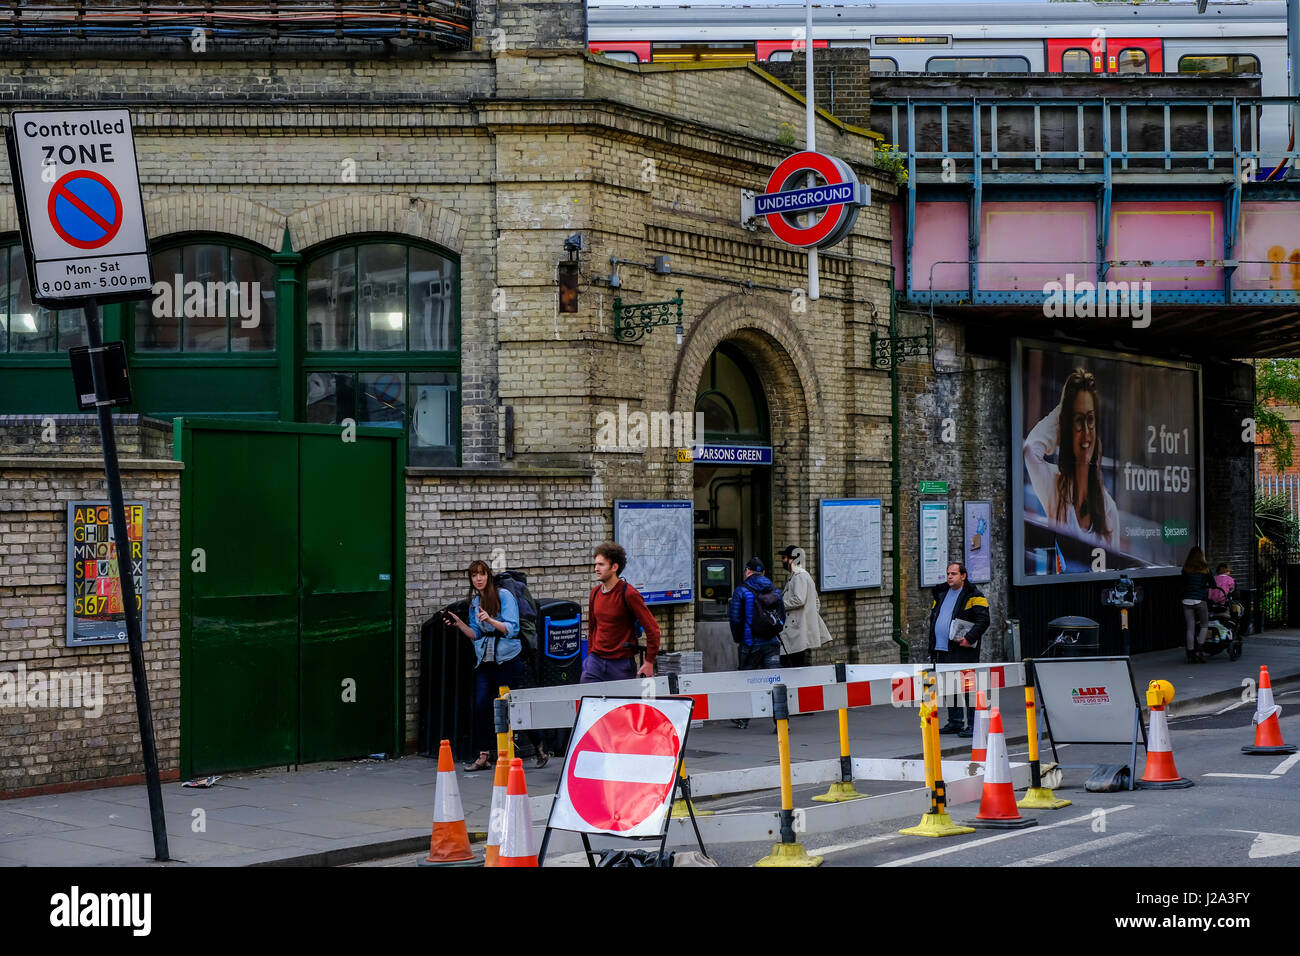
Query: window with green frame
[
  {"x": 26, "y": 327},
  {"x": 209, "y": 297},
  {"x": 382, "y": 323}
]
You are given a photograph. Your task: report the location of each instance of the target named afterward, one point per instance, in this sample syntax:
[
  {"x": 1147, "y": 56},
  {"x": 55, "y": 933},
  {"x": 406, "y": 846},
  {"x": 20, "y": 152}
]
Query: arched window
[
  {"x": 1076, "y": 61},
  {"x": 26, "y": 327},
  {"x": 209, "y": 296},
  {"x": 382, "y": 342}
]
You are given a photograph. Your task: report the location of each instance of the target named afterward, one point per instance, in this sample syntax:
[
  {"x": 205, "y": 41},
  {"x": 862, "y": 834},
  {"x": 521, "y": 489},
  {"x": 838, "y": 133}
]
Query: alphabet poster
[{"x": 95, "y": 613}]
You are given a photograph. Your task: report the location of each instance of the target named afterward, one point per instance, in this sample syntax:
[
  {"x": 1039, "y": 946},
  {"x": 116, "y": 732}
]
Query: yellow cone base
[
  {"x": 840, "y": 792},
  {"x": 1041, "y": 798},
  {"x": 936, "y": 825},
  {"x": 790, "y": 854},
  {"x": 680, "y": 812}
]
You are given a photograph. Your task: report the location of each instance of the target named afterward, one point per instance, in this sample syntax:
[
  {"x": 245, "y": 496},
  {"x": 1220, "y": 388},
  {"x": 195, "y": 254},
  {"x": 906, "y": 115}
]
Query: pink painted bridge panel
[
  {"x": 1025, "y": 245},
  {"x": 1268, "y": 246},
  {"x": 1147, "y": 231},
  {"x": 941, "y": 245}
]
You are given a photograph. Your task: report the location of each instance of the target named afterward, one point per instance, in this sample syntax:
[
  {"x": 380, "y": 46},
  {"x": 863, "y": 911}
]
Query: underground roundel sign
[
  {"x": 618, "y": 776},
  {"x": 811, "y": 200}
]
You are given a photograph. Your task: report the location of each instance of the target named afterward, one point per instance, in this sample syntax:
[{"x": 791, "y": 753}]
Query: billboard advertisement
[{"x": 1108, "y": 472}]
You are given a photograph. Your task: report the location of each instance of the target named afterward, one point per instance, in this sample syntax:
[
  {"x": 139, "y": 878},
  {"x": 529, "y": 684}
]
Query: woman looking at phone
[
  {"x": 1072, "y": 491},
  {"x": 494, "y": 628}
]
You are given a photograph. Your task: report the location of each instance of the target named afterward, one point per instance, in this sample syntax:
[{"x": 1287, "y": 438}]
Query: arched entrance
[{"x": 732, "y": 482}]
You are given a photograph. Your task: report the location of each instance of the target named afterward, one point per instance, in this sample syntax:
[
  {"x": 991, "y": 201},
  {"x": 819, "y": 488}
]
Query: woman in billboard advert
[{"x": 1072, "y": 491}]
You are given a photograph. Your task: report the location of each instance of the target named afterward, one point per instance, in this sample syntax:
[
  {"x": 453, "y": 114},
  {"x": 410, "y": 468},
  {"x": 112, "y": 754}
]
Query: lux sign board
[{"x": 789, "y": 194}]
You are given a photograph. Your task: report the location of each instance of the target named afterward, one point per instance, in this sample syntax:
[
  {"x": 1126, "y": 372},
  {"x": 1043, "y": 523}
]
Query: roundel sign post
[
  {"x": 620, "y": 775},
  {"x": 80, "y": 211},
  {"x": 821, "y": 189}
]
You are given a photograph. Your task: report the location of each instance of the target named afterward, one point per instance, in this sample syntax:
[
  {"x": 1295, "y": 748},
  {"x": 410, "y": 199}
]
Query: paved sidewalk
[{"x": 331, "y": 814}]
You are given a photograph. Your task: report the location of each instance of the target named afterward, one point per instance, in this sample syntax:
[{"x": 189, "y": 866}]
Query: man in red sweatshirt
[{"x": 616, "y": 606}]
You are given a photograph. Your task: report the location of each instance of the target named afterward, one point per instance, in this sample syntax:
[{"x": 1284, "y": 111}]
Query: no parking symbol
[{"x": 85, "y": 210}]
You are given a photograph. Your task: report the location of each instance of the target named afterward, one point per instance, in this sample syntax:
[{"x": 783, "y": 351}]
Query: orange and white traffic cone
[
  {"x": 497, "y": 814},
  {"x": 1268, "y": 734},
  {"x": 517, "y": 848},
  {"x": 449, "y": 843},
  {"x": 998, "y": 809},
  {"x": 1160, "y": 772},
  {"x": 980, "y": 739}
]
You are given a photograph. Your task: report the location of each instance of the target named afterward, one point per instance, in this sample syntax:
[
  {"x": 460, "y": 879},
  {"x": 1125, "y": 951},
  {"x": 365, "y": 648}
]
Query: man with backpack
[
  {"x": 617, "y": 613},
  {"x": 757, "y": 616}
]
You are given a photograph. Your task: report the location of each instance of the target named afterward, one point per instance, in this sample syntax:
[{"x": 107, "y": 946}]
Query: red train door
[{"x": 1105, "y": 54}]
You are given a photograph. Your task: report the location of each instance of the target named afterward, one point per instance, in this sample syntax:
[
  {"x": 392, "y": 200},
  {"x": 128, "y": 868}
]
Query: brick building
[{"x": 403, "y": 215}]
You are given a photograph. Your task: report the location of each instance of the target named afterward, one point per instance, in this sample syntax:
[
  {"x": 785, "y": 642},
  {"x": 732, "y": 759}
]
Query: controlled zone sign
[
  {"x": 790, "y": 195},
  {"x": 620, "y": 775},
  {"x": 1087, "y": 700},
  {"x": 79, "y": 204}
]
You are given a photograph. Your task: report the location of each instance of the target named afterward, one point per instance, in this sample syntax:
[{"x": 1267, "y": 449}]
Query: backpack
[
  {"x": 516, "y": 582},
  {"x": 769, "y": 616},
  {"x": 637, "y": 629}
]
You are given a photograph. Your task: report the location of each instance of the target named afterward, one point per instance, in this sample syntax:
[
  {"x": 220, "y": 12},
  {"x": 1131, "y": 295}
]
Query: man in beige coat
[{"x": 804, "y": 627}]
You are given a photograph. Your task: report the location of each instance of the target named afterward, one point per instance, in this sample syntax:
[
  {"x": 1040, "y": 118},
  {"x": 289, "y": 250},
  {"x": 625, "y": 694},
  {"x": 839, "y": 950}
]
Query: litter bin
[
  {"x": 1073, "y": 637},
  {"x": 446, "y": 685},
  {"x": 560, "y": 651}
]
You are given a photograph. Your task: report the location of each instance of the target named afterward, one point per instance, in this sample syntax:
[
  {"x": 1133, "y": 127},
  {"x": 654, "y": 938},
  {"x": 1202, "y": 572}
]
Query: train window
[
  {"x": 1076, "y": 61},
  {"x": 781, "y": 56},
  {"x": 1219, "y": 63},
  {"x": 977, "y": 64},
  {"x": 703, "y": 53},
  {"x": 1131, "y": 61},
  {"x": 884, "y": 64},
  {"x": 623, "y": 56}
]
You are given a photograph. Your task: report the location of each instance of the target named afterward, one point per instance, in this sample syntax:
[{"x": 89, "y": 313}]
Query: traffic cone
[
  {"x": 517, "y": 847},
  {"x": 998, "y": 801},
  {"x": 497, "y": 814},
  {"x": 1268, "y": 735},
  {"x": 980, "y": 741},
  {"x": 449, "y": 843},
  {"x": 1160, "y": 772}
]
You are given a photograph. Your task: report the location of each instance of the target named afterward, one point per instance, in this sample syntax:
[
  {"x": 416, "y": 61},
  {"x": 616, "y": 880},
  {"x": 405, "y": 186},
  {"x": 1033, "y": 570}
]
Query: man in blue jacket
[
  {"x": 959, "y": 616},
  {"x": 758, "y": 635}
]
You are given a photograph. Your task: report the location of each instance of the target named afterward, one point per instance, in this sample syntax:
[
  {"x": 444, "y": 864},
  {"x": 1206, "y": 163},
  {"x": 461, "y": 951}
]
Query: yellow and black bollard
[
  {"x": 935, "y": 822},
  {"x": 842, "y": 789},
  {"x": 787, "y": 852},
  {"x": 505, "y": 741},
  {"x": 1037, "y": 797},
  {"x": 682, "y": 808}
]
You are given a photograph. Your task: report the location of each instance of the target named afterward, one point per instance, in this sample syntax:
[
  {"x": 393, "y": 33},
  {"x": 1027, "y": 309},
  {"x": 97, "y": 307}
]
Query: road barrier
[
  {"x": 1039, "y": 797},
  {"x": 789, "y": 852},
  {"x": 935, "y": 822},
  {"x": 749, "y": 694}
]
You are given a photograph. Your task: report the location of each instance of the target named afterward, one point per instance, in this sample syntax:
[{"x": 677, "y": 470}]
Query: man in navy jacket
[{"x": 755, "y": 654}]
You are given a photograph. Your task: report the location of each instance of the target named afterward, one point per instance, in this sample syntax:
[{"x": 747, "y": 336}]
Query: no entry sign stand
[
  {"x": 1094, "y": 700},
  {"x": 623, "y": 771},
  {"x": 83, "y": 231}
]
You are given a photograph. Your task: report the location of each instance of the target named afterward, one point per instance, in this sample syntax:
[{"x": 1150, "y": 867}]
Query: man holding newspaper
[{"x": 959, "y": 616}]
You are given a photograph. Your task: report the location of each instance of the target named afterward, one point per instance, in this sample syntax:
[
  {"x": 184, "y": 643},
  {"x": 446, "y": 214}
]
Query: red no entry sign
[
  {"x": 85, "y": 210},
  {"x": 618, "y": 778}
]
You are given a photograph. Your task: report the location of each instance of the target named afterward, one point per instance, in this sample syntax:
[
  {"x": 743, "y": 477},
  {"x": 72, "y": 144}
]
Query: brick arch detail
[
  {"x": 214, "y": 212},
  {"x": 391, "y": 213},
  {"x": 783, "y": 361}
]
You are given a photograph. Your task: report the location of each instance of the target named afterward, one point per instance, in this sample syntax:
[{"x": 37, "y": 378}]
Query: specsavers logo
[{"x": 1089, "y": 695}]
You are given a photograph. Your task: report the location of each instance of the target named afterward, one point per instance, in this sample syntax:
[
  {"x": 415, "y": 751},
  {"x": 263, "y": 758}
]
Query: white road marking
[
  {"x": 1287, "y": 764},
  {"x": 840, "y": 847},
  {"x": 1232, "y": 707},
  {"x": 626, "y": 768},
  {"x": 1056, "y": 856},
  {"x": 1271, "y": 844},
  {"x": 1243, "y": 776},
  {"x": 920, "y": 857}
]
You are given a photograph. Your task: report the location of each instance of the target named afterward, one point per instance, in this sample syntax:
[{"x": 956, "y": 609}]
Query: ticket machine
[{"x": 717, "y": 560}]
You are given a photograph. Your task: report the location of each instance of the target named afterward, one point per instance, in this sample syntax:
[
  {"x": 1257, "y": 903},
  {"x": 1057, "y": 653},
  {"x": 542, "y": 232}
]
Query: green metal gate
[{"x": 292, "y": 584}]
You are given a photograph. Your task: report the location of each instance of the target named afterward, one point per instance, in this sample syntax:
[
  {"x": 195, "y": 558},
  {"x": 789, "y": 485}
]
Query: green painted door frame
[{"x": 293, "y": 596}]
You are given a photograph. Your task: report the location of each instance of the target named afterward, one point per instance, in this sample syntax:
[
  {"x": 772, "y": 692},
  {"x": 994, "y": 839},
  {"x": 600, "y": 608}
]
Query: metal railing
[
  {"x": 947, "y": 140},
  {"x": 431, "y": 22}
]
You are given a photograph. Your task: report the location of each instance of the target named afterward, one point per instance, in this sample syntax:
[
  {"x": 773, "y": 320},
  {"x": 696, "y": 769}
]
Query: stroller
[{"x": 1227, "y": 626}]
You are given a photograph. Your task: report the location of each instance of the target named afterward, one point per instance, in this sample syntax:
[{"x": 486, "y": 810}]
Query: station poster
[
  {"x": 94, "y": 590},
  {"x": 1107, "y": 463}
]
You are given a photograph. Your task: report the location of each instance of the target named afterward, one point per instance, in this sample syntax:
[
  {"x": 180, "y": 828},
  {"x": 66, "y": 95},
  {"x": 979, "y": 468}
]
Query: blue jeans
[
  {"x": 488, "y": 679},
  {"x": 757, "y": 657}
]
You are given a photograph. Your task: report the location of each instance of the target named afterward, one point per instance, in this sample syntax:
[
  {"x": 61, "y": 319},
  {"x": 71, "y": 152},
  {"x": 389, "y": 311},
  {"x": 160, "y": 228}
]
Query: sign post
[{"x": 83, "y": 233}]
